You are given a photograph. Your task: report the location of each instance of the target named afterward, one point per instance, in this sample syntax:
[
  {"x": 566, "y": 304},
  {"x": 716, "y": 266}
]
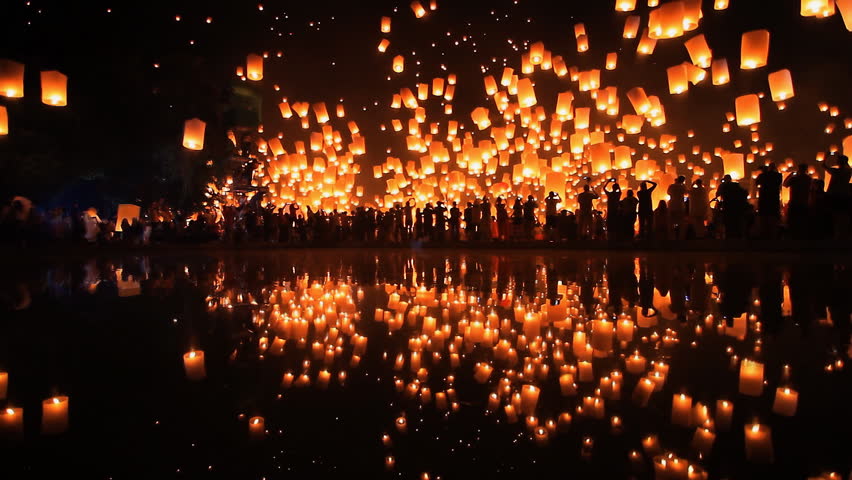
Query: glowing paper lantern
[
  {"x": 601, "y": 157},
  {"x": 193, "y": 134},
  {"x": 699, "y": 52},
  {"x": 611, "y": 60},
  {"x": 748, "y": 110},
  {"x": 646, "y": 44},
  {"x": 631, "y": 26},
  {"x": 720, "y": 5},
  {"x": 814, "y": 8},
  {"x": 692, "y": 14},
  {"x": 720, "y": 73},
  {"x": 4, "y": 121},
  {"x": 418, "y": 9},
  {"x": 632, "y": 124},
  {"x": 582, "y": 43},
  {"x": 398, "y": 64},
  {"x": 622, "y": 156},
  {"x": 383, "y": 45},
  {"x": 754, "y": 50},
  {"x": 847, "y": 142},
  {"x": 845, "y": 7},
  {"x": 526, "y": 93},
  {"x": 254, "y": 67},
  {"x": 625, "y": 5},
  {"x": 126, "y": 211},
  {"x": 11, "y": 79},
  {"x": 678, "y": 79},
  {"x": 480, "y": 118},
  {"x": 733, "y": 165},
  {"x": 563, "y": 103},
  {"x": 666, "y": 21},
  {"x": 54, "y": 87},
  {"x": 639, "y": 100},
  {"x": 781, "y": 85},
  {"x": 386, "y": 25}
]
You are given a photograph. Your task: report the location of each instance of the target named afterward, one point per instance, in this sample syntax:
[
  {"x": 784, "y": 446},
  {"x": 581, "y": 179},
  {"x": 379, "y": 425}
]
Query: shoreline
[{"x": 713, "y": 247}]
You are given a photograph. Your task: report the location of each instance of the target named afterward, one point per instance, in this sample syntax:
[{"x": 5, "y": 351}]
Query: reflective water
[{"x": 399, "y": 364}]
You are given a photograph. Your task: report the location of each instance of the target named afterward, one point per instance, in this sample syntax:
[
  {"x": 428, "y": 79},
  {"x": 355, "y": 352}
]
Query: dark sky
[{"x": 124, "y": 113}]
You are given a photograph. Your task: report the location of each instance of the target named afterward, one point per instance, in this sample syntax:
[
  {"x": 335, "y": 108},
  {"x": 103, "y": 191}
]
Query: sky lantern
[
  {"x": 720, "y": 5},
  {"x": 386, "y": 25},
  {"x": 678, "y": 79},
  {"x": 4, "y": 121},
  {"x": 847, "y": 142},
  {"x": 719, "y": 71},
  {"x": 480, "y": 117},
  {"x": 418, "y": 9},
  {"x": 611, "y": 60},
  {"x": 845, "y": 7},
  {"x": 733, "y": 165},
  {"x": 625, "y": 5},
  {"x": 781, "y": 85},
  {"x": 754, "y": 49},
  {"x": 748, "y": 110},
  {"x": 601, "y": 157},
  {"x": 583, "y": 43},
  {"x": 632, "y": 124},
  {"x": 692, "y": 14},
  {"x": 254, "y": 67},
  {"x": 398, "y": 64},
  {"x": 816, "y": 8},
  {"x": 383, "y": 45},
  {"x": 666, "y": 21},
  {"x": 563, "y": 103},
  {"x": 639, "y": 100},
  {"x": 321, "y": 112},
  {"x": 11, "y": 79},
  {"x": 623, "y": 159},
  {"x": 631, "y": 26},
  {"x": 646, "y": 44},
  {"x": 699, "y": 52},
  {"x": 536, "y": 53},
  {"x": 286, "y": 112},
  {"x": 526, "y": 93},
  {"x": 54, "y": 88},
  {"x": 193, "y": 134}
]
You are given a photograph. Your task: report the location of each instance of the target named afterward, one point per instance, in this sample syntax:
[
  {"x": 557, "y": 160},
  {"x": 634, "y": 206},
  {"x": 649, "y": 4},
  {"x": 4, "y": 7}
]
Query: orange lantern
[
  {"x": 193, "y": 134},
  {"x": 11, "y": 79},
  {"x": 54, "y": 88},
  {"x": 845, "y": 7},
  {"x": 386, "y": 24},
  {"x": 678, "y": 79},
  {"x": 699, "y": 51},
  {"x": 720, "y": 5},
  {"x": 398, "y": 64},
  {"x": 733, "y": 165},
  {"x": 418, "y": 9},
  {"x": 625, "y": 5},
  {"x": 781, "y": 85},
  {"x": 611, "y": 60},
  {"x": 383, "y": 45},
  {"x": 754, "y": 49},
  {"x": 526, "y": 93},
  {"x": 631, "y": 26},
  {"x": 639, "y": 100},
  {"x": 666, "y": 21},
  {"x": 4, "y": 121},
  {"x": 254, "y": 66},
  {"x": 601, "y": 157},
  {"x": 816, "y": 8},
  {"x": 748, "y": 110},
  {"x": 646, "y": 44},
  {"x": 719, "y": 70}
]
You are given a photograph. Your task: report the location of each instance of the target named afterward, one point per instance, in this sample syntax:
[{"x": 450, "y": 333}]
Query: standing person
[
  {"x": 469, "y": 227},
  {"x": 799, "y": 183},
  {"x": 699, "y": 203},
  {"x": 838, "y": 195},
  {"x": 428, "y": 221},
  {"x": 768, "y": 185},
  {"x": 440, "y": 221},
  {"x": 661, "y": 222},
  {"x": 408, "y": 216},
  {"x": 530, "y": 206},
  {"x": 584, "y": 200},
  {"x": 628, "y": 215},
  {"x": 517, "y": 217},
  {"x": 485, "y": 223},
  {"x": 677, "y": 207},
  {"x": 734, "y": 207},
  {"x": 613, "y": 201},
  {"x": 551, "y": 203},
  {"x": 502, "y": 219},
  {"x": 646, "y": 208},
  {"x": 455, "y": 221}
]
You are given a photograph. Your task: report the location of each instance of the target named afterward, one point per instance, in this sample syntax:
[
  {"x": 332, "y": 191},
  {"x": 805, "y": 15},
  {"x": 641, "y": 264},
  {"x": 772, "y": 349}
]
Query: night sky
[{"x": 136, "y": 73}]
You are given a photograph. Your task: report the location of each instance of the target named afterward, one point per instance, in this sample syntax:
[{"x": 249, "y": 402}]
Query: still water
[{"x": 401, "y": 364}]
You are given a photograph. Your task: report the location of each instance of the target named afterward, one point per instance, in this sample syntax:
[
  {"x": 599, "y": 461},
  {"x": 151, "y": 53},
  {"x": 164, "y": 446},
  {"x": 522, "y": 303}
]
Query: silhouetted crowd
[{"x": 813, "y": 212}]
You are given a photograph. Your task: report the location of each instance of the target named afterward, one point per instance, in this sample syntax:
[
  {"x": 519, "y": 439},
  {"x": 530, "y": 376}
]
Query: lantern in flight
[
  {"x": 398, "y": 64},
  {"x": 754, "y": 50},
  {"x": 254, "y": 67},
  {"x": 4, "y": 121},
  {"x": 11, "y": 79},
  {"x": 781, "y": 85},
  {"x": 720, "y": 73},
  {"x": 748, "y": 110},
  {"x": 845, "y": 7},
  {"x": 733, "y": 165},
  {"x": 386, "y": 24},
  {"x": 678, "y": 79},
  {"x": 699, "y": 51},
  {"x": 54, "y": 89},
  {"x": 526, "y": 93},
  {"x": 666, "y": 21},
  {"x": 625, "y": 5},
  {"x": 816, "y": 8},
  {"x": 193, "y": 134},
  {"x": 631, "y": 26},
  {"x": 418, "y": 9}
]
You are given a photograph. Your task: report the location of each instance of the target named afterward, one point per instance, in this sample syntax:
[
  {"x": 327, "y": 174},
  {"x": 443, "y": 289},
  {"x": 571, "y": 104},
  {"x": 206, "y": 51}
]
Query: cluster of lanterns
[
  {"x": 515, "y": 146},
  {"x": 54, "y": 88}
]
